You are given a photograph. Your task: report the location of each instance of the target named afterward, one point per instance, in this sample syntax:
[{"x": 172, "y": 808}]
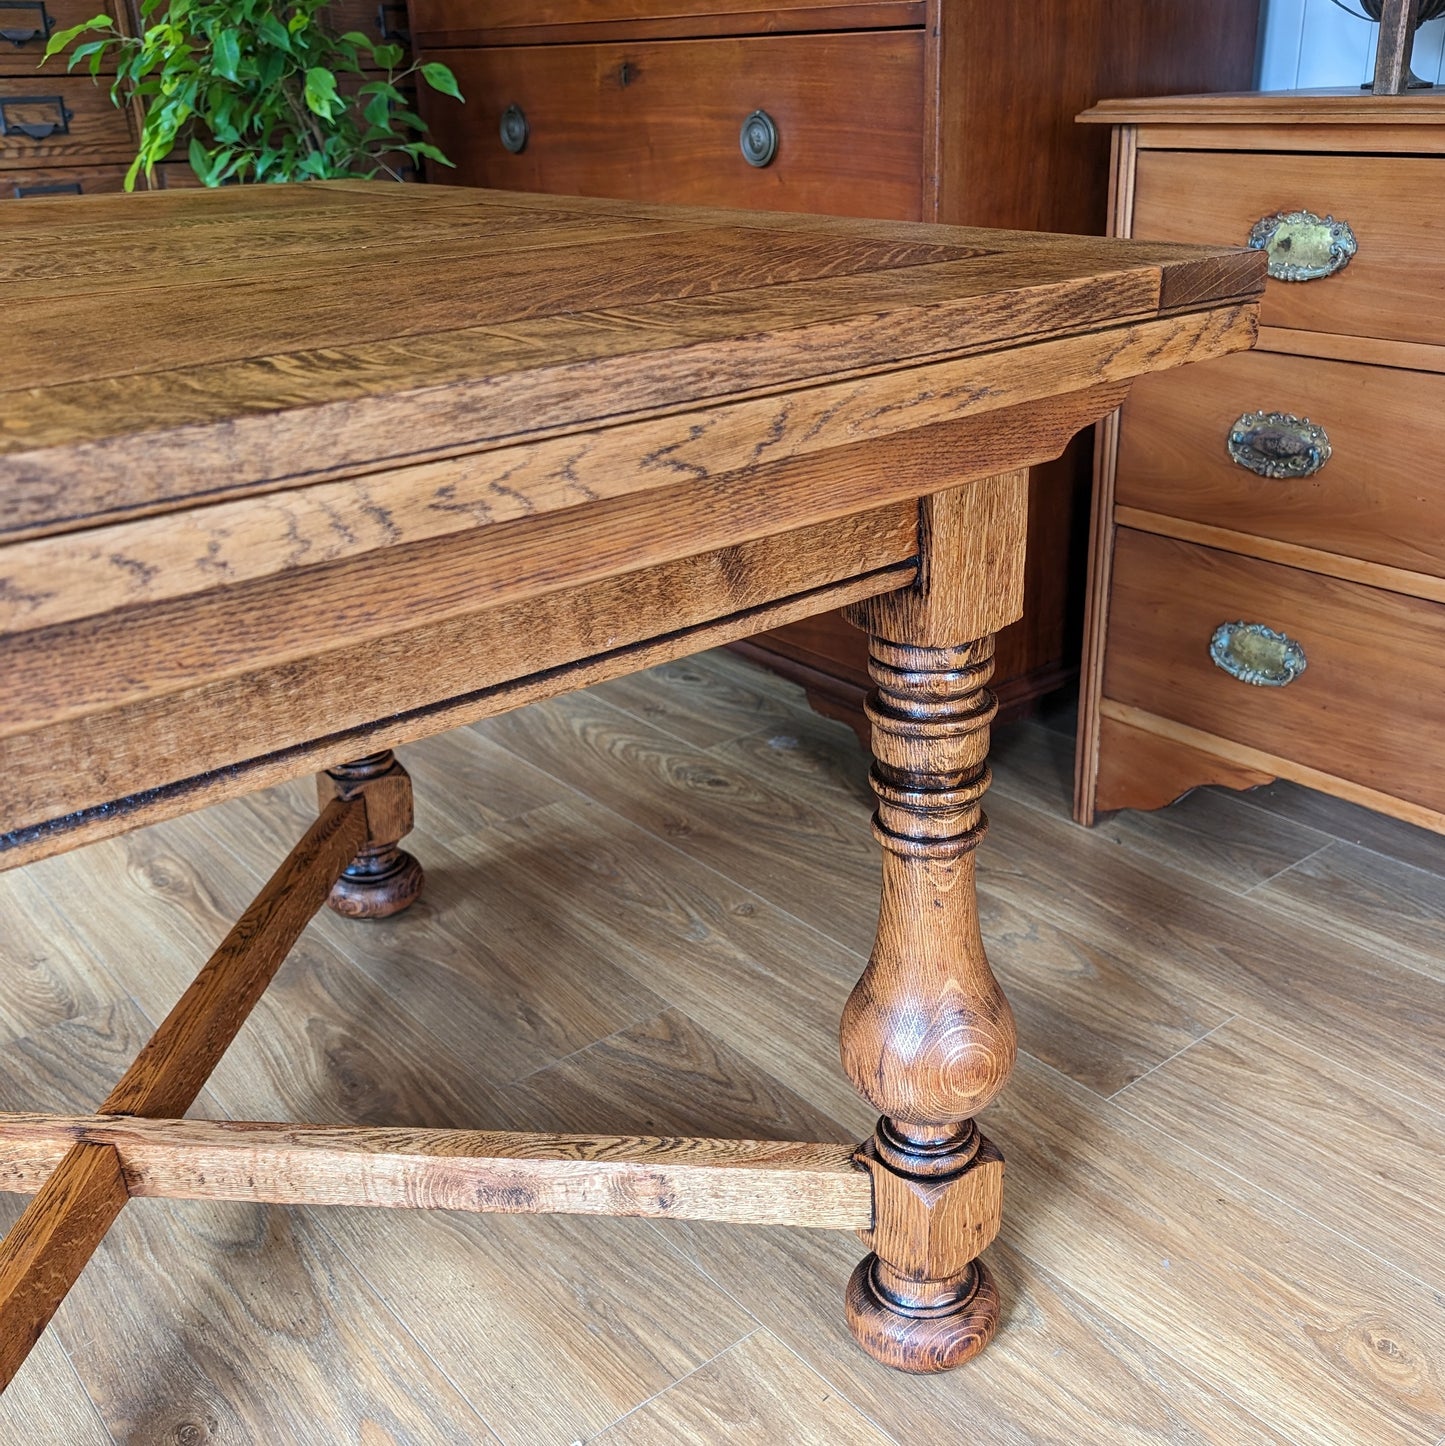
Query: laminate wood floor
[{"x": 1225, "y": 1209}]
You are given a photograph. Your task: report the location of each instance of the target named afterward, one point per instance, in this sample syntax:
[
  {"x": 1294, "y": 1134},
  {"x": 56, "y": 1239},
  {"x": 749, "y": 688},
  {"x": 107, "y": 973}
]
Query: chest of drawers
[
  {"x": 934, "y": 110},
  {"x": 1267, "y": 576}
]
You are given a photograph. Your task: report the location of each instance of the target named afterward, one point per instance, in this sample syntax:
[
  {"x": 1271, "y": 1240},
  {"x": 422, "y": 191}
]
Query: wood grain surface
[
  {"x": 745, "y": 1181},
  {"x": 1366, "y": 502},
  {"x": 1086, "y": 931},
  {"x": 1169, "y": 597}
]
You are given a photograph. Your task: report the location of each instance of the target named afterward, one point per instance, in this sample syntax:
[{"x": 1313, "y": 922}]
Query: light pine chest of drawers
[{"x": 1267, "y": 568}]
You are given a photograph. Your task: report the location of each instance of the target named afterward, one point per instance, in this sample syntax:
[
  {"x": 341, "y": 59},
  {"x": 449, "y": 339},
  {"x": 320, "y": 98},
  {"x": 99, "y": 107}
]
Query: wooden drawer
[
  {"x": 1395, "y": 285},
  {"x": 1368, "y": 706},
  {"x": 73, "y": 118},
  {"x": 660, "y": 120},
  {"x": 386, "y": 20},
  {"x": 1376, "y": 498},
  {"x": 66, "y": 181},
  {"x": 24, "y": 29}
]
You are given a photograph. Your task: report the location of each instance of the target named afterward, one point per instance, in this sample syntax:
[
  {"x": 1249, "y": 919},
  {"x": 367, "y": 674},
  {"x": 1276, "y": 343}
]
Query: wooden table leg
[
  {"x": 382, "y": 879},
  {"x": 927, "y": 1036}
]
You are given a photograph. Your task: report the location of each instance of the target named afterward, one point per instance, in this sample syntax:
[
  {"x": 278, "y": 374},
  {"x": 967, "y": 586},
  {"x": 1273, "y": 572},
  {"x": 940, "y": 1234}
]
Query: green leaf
[
  {"x": 320, "y": 92},
  {"x": 440, "y": 77},
  {"x": 273, "y": 32},
  {"x": 200, "y": 161},
  {"x": 226, "y": 54},
  {"x": 62, "y": 38}
]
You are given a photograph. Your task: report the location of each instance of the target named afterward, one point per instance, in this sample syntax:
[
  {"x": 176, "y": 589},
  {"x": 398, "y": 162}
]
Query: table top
[
  {"x": 173, "y": 347},
  {"x": 291, "y": 474}
]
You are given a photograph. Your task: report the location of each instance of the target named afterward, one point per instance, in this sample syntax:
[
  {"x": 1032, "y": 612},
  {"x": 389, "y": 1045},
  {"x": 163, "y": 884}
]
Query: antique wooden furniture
[
  {"x": 905, "y": 109},
  {"x": 59, "y": 133},
  {"x": 1281, "y": 510},
  {"x": 324, "y": 501}
]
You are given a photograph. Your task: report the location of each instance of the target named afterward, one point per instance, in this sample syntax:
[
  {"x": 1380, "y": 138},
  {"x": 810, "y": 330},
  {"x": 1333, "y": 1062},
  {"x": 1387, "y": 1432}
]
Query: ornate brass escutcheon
[
  {"x": 1256, "y": 654},
  {"x": 1302, "y": 246},
  {"x": 1278, "y": 444}
]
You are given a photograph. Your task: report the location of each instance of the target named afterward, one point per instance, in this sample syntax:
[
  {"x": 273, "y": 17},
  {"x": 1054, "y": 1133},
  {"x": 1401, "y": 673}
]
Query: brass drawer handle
[
  {"x": 1256, "y": 654},
  {"x": 27, "y": 34},
  {"x": 34, "y": 130},
  {"x": 1279, "y": 444},
  {"x": 514, "y": 130},
  {"x": 758, "y": 139},
  {"x": 1302, "y": 246}
]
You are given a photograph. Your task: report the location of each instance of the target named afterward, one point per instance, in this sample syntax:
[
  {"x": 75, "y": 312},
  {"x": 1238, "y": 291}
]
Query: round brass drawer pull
[
  {"x": 1302, "y": 246},
  {"x": 1256, "y": 654},
  {"x": 1278, "y": 444},
  {"x": 514, "y": 130},
  {"x": 758, "y": 139}
]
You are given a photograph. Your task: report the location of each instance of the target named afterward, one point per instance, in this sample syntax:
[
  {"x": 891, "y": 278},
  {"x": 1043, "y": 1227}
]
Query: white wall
[{"x": 1313, "y": 42}]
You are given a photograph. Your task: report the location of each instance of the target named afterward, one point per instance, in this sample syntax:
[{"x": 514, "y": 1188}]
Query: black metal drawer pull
[
  {"x": 59, "y": 188},
  {"x": 758, "y": 139},
  {"x": 19, "y": 35},
  {"x": 31, "y": 129},
  {"x": 386, "y": 14},
  {"x": 514, "y": 130}
]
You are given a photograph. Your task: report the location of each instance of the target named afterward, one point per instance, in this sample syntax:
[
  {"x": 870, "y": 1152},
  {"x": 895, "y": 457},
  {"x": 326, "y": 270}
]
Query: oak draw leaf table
[{"x": 292, "y": 475}]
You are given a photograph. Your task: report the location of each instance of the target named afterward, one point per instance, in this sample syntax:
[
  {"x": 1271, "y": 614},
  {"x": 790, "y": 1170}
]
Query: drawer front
[
  {"x": 661, "y": 121},
  {"x": 1379, "y": 495},
  {"x": 1367, "y": 706},
  {"x": 1394, "y": 287},
  {"x": 64, "y": 181},
  {"x": 375, "y": 19},
  {"x": 52, "y": 121},
  {"x": 25, "y": 27}
]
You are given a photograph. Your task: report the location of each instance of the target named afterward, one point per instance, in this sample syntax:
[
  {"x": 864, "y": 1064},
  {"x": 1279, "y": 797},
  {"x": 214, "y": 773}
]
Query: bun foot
[
  {"x": 922, "y": 1327},
  {"x": 380, "y": 881}
]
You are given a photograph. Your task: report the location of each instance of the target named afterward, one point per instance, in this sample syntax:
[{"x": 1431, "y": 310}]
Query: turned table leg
[
  {"x": 382, "y": 879},
  {"x": 927, "y": 1035}
]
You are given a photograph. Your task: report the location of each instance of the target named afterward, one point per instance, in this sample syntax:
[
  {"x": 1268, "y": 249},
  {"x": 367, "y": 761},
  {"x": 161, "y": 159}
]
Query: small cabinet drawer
[
  {"x": 1394, "y": 284},
  {"x": 25, "y": 27},
  {"x": 1367, "y": 705},
  {"x": 663, "y": 121},
  {"x": 53, "y": 120},
  {"x": 1377, "y": 495},
  {"x": 384, "y": 21},
  {"x": 68, "y": 181}
]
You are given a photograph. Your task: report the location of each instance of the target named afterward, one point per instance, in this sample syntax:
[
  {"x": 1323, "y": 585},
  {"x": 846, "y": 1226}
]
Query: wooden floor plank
[
  {"x": 740, "y": 1397},
  {"x": 1311, "y": 1129},
  {"x": 1210, "y": 834},
  {"x": 1378, "y": 903},
  {"x": 717, "y": 895},
  {"x": 744, "y": 970},
  {"x": 702, "y": 703},
  {"x": 785, "y": 813},
  {"x": 1350, "y": 823}
]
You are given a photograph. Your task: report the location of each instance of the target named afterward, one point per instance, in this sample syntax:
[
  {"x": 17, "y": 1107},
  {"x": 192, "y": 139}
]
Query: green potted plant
[{"x": 261, "y": 92}]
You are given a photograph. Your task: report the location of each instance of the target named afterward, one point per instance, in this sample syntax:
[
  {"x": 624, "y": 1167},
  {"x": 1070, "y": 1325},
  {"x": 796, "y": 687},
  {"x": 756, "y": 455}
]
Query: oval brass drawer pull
[
  {"x": 1279, "y": 444},
  {"x": 1256, "y": 654},
  {"x": 758, "y": 139},
  {"x": 514, "y": 130},
  {"x": 1302, "y": 246}
]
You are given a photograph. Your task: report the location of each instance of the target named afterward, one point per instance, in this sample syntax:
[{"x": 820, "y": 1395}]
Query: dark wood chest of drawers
[
  {"x": 1267, "y": 593},
  {"x": 936, "y": 110}
]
